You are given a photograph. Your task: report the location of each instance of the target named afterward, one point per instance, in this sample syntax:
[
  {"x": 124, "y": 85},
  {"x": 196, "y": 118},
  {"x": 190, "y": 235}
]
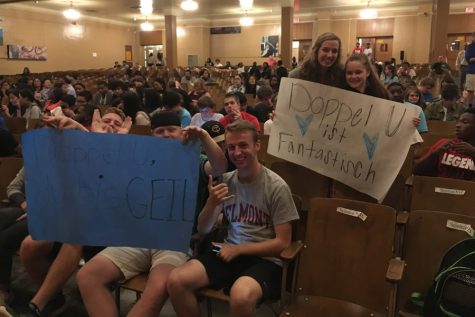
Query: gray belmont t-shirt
[{"x": 257, "y": 207}]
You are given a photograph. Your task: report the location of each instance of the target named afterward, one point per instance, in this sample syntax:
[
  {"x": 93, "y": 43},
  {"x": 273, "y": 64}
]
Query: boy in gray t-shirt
[{"x": 259, "y": 208}]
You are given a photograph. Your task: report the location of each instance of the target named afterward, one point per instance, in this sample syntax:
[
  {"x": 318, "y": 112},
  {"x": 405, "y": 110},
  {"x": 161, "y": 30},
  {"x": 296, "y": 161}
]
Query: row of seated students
[
  {"x": 140, "y": 103},
  {"x": 449, "y": 158},
  {"x": 238, "y": 265},
  {"x": 242, "y": 147},
  {"x": 141, "y": 97}
]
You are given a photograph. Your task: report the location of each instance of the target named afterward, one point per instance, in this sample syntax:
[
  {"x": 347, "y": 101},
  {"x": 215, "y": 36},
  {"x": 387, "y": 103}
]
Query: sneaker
[
  {"x": 33, "y": 311},
  {"x": 30, "y": 311}
]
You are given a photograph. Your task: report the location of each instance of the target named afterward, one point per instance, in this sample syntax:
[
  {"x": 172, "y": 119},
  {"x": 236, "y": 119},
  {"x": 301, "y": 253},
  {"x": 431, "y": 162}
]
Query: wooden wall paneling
[
  {"x": 151, "y": 38},
  {"x": 461, "y": 23},
  {"x": 302, "y": 31},
  {"x": 375, "y": 27}
]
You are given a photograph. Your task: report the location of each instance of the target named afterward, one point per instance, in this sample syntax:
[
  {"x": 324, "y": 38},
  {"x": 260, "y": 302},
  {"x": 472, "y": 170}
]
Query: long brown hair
[
  {"x": 373, "y": 85},
  {"x": 311, "y": 70}
]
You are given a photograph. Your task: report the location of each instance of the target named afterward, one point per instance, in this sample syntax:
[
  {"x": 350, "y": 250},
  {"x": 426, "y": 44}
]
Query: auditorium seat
[
  {"x": 302, "y": 181},
  {"x": 443, "y": 194},
  {"x": 32, "y": 123},
  {"x": 396, "y": 196},
  {"x": 16, "y": 125},
  {"x": 289, "y": 257},
  {"x": 346, "y": 267},
  {"x": 140, "y": 130},
  {"x": 446, "y": 128},
  {"x": 437, "y": 130},
  {"x": 264, "y": 157},
  {"x": 427, "y": 238}
]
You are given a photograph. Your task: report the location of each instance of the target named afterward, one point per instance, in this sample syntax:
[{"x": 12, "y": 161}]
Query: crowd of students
[{"x": 245, "y": 264}]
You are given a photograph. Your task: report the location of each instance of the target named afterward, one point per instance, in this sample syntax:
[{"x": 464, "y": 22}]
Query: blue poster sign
[{"x": 110, "y": 189}]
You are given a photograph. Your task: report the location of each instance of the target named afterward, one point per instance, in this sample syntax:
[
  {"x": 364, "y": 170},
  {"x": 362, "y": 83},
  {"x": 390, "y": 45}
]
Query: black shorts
[{"x": 222, "y": 275}]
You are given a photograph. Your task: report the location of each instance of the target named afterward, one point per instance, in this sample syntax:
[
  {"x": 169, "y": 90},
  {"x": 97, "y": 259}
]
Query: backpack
[{"x": 453, "y": 291}]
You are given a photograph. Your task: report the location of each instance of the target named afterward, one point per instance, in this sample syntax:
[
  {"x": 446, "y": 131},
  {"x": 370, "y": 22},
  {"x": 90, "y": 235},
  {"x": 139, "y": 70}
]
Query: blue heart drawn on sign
[
  {"x": 370, "y": 144},
  {"x": 304, "y": 123}
]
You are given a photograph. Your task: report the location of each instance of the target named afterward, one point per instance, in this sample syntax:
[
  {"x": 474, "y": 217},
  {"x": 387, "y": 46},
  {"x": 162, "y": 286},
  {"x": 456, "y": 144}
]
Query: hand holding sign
[
  {"x": 192, "y": 132},
  {"x": 359, "y": 140},
  {"x": 97, "y": 124},
  {"x": 125, "y": 128},
  {"x": 63, "y": 123}
]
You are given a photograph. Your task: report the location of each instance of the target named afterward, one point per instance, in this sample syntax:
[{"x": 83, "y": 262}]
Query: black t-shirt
[{"x": 262, "y": 112}]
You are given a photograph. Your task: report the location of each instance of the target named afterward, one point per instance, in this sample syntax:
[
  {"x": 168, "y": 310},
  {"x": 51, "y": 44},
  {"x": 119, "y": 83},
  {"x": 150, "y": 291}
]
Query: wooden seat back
[
  {"x": 443, "y": 194},
  {"x": 264, "y": 157},
  {"x": 32, "y": 124},
  {"x": 302, "y": 181},
  {"x": 140, "y": 130},
  {"x": 442, "y": 128},
  {"x": 427, "y": 238},
  {"x": 345, "y": 257},
  {"x": 16, "y": 125},
  {"x": 437, "y": 130},
  {"x": 395, "y": 197}
]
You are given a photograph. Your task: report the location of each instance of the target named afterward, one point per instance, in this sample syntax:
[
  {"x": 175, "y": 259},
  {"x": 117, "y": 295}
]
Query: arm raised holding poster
[
  {"x": 356, "y": 139},
  {"x": 217, "y": 163},
  {"x": 113, "y": 121},
  {"x": 259, "y": 207},
  {"x": 169, "y": 212},
  {"x": 52, "y": 278}
]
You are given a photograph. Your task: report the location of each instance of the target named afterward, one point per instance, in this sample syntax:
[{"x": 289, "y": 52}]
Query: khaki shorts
[
  {"x": 470, "y": 82},
  {"x": 133, "y": 261}
]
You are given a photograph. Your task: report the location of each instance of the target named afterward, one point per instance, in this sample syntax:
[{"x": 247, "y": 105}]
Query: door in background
[
  {"x": 383, "y": 49},
  {"x": 304, "y": 47},
  {"x": 456, "y": 43},
  {"x": 192, "y": 60}
]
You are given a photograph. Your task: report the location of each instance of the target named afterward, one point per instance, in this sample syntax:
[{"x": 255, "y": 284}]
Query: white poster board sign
[{"x": 359, "y": 140}]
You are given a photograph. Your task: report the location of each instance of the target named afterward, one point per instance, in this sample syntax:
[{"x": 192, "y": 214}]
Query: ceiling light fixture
[
  {"x": 368, "y": 13},
  {"x": 246, "y": 21},
  {"x": 246, "y": 4},
  {"x": 189, "y": 5},
  {"x": 146, "y": 7},
  {"x": 146, "y": 26},
  {"x": 71, "y": 14}
]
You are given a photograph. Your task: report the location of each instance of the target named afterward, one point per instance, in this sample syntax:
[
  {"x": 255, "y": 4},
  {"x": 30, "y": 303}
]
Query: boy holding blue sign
[
  {"x": 49, "y": 263},
  {"x": 122, "y": 263},
  {"x": 259, "y": 208}
]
